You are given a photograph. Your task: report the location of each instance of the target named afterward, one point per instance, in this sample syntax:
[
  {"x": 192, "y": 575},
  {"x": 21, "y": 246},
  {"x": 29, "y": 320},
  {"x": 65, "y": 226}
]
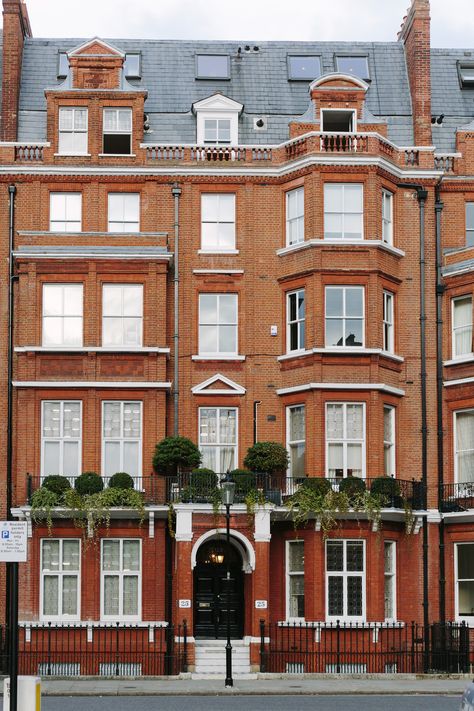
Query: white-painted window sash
[
  {"x": 388, "y": 322},
  {"x": 292, "y": 574},
  {"x": 120, "y": 573},
  {"x": 295, "y": 327},
  {"x": 345, "y": 441},
  {"x": 295, "y": 444},
  {"x": 463, "y": 329},
  {"x": 121, "y": 439},
  {"x": 387, "y": 217},
  {"x": 61, "y": 440},
  {"x": 389, "y": 440},
  {"x": 345, "y": 574},
  {"x": 390, "y": 581},
  {"x": 60, "y": 574},
  {"x": 295, "y": 216}
]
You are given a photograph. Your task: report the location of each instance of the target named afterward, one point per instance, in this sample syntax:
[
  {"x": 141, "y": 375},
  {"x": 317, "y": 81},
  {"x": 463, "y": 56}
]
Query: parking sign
[{"x": 13, "y": 541}]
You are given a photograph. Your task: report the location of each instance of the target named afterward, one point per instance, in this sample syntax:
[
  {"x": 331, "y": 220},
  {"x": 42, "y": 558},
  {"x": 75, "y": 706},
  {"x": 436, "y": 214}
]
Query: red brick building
[{"x": 268, "y": 242}]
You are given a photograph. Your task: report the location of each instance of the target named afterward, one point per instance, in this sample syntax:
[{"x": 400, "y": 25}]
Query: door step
[{"x": 210, "y": 658}]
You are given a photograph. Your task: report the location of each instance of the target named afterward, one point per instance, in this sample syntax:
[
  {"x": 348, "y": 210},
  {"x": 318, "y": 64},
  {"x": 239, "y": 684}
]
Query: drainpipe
[
  {"x": 11, "y": 278},
  {"x": 256, "y": 403},
  {"x": 176, "y": 193},
  {"x": 422, "y": 195},
  {"x": 439, "y": 396}
]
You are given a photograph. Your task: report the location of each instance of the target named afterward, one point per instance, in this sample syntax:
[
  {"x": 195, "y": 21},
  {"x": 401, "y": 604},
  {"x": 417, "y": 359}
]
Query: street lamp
[{"x": 227, "y": 491}]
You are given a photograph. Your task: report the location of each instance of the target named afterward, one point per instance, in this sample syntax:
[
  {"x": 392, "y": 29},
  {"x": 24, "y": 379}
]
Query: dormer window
[
  {"x": 117, "y": 131},
  {"x": 358, "y": 66},
  {"x": 338, "y": 120},
  {"x": 132, "y": 65},
  {"x": 63, "y": 65},
  {"x": 217, "y": 120},
  {"x": 212, "y": 66},
  {"x": 466, "y": 74},
  {"x": 303, "y": 67}
]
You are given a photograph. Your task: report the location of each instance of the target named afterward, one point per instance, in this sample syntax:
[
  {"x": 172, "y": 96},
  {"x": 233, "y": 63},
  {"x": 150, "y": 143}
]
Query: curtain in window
[
  {"x": 462, "y": 323},
  {"x": 227, "y": 424},
  {"x": 50, "y": 595},
  {"x": 465, "y": 446}
]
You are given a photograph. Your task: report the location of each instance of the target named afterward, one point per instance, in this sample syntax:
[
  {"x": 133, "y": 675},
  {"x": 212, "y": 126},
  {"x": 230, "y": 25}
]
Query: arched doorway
[{"x": 214, "y": 592}]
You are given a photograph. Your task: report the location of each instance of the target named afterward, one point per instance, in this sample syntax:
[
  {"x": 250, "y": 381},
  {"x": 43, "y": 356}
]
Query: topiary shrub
[
  {"x": 317, "y": 484},
  {"x": 388, "y": 489},
  {"x": 121, "y": 480},
  {"x": 352, "y": 486},
  {"x": 57, "y": 484},
  {"x": 173, "y": 453},
  {"x": 88, "y": 483},
  {"x": 245, "y": 482},
  {"x": 269, "y": 457}
]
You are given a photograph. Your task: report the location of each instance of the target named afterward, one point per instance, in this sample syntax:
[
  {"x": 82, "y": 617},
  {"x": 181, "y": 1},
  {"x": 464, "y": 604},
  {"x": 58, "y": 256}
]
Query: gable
[
  {"x": 218, "y": 385},
  {"x": 95, "y": 47}
]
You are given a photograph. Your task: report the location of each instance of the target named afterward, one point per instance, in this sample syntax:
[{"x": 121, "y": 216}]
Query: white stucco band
[
  {"x": 237, "y": 539},
  {"x": 262, "y": 524}
]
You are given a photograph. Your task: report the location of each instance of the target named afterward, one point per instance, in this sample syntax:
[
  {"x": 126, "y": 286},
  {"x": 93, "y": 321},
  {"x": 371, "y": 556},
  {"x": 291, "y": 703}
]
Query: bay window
[
  {"x": 296, "y": 439},
  {"x": 462, "y": 326},
  {"x": 345, "y": 440},
  {"x": 295, "y": 320},
  {"x": 343, "y": 211},
  {"x": 345, "y": 323}
]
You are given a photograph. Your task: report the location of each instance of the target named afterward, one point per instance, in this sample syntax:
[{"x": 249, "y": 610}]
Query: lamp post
[{"x": 228, "y": 490}]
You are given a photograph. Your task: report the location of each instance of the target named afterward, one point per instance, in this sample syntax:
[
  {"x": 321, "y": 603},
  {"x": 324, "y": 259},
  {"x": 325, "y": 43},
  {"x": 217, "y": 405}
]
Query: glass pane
[
  {"x": 352, "y": 198},
  {"x": 50, "y": 551},
  {"x": 226, "y": 235},
  {"x": 131, "y": 555},
  {"x": 470, "y": 215},
  {"x": 209, "y": 458},
  {"x": 389, "y": 607},
  {"x": 70, "y": 595},
  {"x": 208, "y": 426},
  {"x": 70, "y": 555},
  {"x": 333, "y": 197},
  {"x": 133, "y": 300},
  {"x": 207, "y": 308},
  {"x": 111, "y": 458},
  {"x": 335, "y": 556},
  {"x": 297, "y": 459},
  {"x": 66, "y": 119},
  {"x": 388, "y": 424},
  {"x": 296, "y": 596},
  {"x": 210, "y": 232},
  {"x": 354, "y": 460},
  {"x": 297, "y": 423},
  {"x": 72, "y": 419},
  {"x": 355, "y": 424},
  {"x": 226, "y": 205},
  {"x": 227, "y": 426},
  {"x": 57, "y": 206},
  {"x": 354, "y": 596},
  {"x": 335, "y": 596},
  {"x": 353, "y": 65},
  {"x": 332, "y": 226},
  {"x": 354, "y": 336},
  {"x": 70, "y": 458},
  {"x": 334, "y": 421},
  {"x": 296, "y": 557},
  {"x": 132, "y": 65},
  {"x": 209, "y": 208},
  {"x": 73, "y": 206},
  {"x": 111, "y": 426},
  {"x": 355, "y": 556},
  {"x": 51, "y": 419},
  {"x": 388, "y": 557},
  {"x": 208, "y": 339},
  {"x": 354, "y": 301},
  {"x": 52, "y": 300},
  {"x": 132, "y": 331},
  {"x": 462, "y": 312},
  {"x": 334, "y": 302},
  {"x": 112, "y": 300},
  {"x": 50, "y": 595},
  {"x": 130, "y": 595},
  {"x": 110, "y": 120},
  {"x": 224, "y": 130},
  {"x": 335, "y": 461},
  {"x": 353, "y": 226},
  {"x": 80, "y": 119},
  {"x": 228, "y": 308},
  {"x": 227, "y": 339},
  {"x": 210, "y": 130},
  {"x": 51, "y": 458},
  {"x": 111, "y": 595},
  {"x": 72, "y": 300},
  {"x": 213, "y": 66},
  {"x": 131, "y": 458},
  {"x": 304, "y": 67},
  {"x": 131, "y": 207},
  {"x": 111, "y": 555},
  {"x": 465, "y": 561},
  {"x": 66, "y": 143},
  {"x": 79, "y": 142},
  {"x": 112, "y": 332},
  {"x": 334, "y": 333},
  {"x": 124, "y": 120},
  {"x": 466, "y": 598},
  {"x": 72, "y": 331}
]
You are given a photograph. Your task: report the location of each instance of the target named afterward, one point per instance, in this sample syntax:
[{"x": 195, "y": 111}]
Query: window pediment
[
  {"x": 216, "y": 103},
  {"x": 218, "y": 385},
  {"x": 95, "y": 47}
]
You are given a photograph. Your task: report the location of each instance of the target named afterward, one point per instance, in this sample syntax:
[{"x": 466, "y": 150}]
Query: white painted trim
[
  {"x": 237, "y": 539},
  {"x": 215, "y": 251},
  {"x": 217, "y": 103},
  {"x": 216, "y": 356},
  {"x": 340, "y": 243},
  {"x": 381, "y": 387},
  {"x": 343, "y": 317},
  {"x": 288, "y": 430},
  {"x": 39, "y": 144},
  {"x": 121, "y": 439},
  {"x": 459, "y": 381},
  {"x": 344, "y": 440},
  {"x": 217, "y": 446},
  {"x": 394, "y": 578},
  {"x": 338, "y": 351},
  {"x": 287, "y": 579},
  {"x": 346, "y": 110},
  {"x": 345, "y": 574},
  {"x": 72, "y": 155},
  {"x": 262, "y": 532},
  {"x": 118, "y": 155},
  {"x": 297, "y": 321},
  {"x": 393, "y": 450},
  {"x": 117, "y": 384},
  {"x": 88, "y": 233},
  {"x": 98, "y": 624},
  {"x": 184, "y": 523},
  {"x": 61, "y": 618},
  {"x": 90, "y": 255},
  {"x": 454, "y": 300},
  {"x": 75, "y": 51},
  {"x": 434, "y": 516},
  {"x": 234, "y": 388},
  {"x": 62, "y": 439},
  {"x": 120, "y": 573},
  {"x": 91, "y": 349},
  {"x": 340, "y": 76},
  {"x": 218, "y": 271},
  {"x": 459, "y": 618},
  {"x": 459, "y": 361}
]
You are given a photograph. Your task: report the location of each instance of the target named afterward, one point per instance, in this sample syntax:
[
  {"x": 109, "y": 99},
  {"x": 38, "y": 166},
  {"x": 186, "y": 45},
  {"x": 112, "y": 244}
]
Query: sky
[{"x": 364, "y": 20}]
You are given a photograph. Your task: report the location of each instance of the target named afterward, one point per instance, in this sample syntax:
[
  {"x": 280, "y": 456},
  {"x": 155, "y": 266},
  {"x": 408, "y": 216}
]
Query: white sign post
[{"x": 13, "y": 541}]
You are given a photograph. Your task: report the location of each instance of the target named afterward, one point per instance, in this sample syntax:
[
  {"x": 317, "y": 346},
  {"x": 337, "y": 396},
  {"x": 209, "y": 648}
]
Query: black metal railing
[
  {"x": 371, "y": 648},
  {"x": 185, "y": 487},
  {"x": 457, "y": 497},
  {"x": 113, "y": 650}
]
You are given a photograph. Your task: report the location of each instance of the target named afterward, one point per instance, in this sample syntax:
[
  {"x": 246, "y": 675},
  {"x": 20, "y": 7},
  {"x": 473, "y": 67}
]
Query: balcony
[
  {"x": 457, "y": 497},
  {"x": 161, "y": 490}
]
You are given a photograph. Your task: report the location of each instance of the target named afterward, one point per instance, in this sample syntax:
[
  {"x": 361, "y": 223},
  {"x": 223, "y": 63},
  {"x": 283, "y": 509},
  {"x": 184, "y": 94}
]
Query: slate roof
[
  {"x": 259, "y": 80},
  {"x": 448, "y": 97}
]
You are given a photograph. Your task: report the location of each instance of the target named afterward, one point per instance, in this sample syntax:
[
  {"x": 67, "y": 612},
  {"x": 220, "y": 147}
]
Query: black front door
[{"x": 217, "y": 589}]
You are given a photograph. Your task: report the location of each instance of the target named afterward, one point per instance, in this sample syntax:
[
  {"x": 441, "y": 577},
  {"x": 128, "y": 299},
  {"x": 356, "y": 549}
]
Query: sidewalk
[{"x": 264, "y": 684}]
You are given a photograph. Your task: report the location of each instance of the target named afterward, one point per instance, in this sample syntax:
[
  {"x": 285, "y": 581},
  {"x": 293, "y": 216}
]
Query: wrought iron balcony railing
[{"x": 457, "y": 497}]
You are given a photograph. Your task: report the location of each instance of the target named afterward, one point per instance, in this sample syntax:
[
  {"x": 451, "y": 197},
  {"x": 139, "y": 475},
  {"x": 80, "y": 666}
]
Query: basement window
[
  {"x": 132, "y": 65},
  {"x": 212, "y": 66},
  {"x": 338, "y": 121},
  {"x": 117, "y": 131},
  {"x": 466, "y": 74},
  {"x": 351, "y": 64},
  {"x": 304, "y": 67}
]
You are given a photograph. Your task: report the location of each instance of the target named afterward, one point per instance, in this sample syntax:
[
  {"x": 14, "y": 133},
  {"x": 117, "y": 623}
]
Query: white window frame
[
  {"x": 61, "y": 438},
  {"x": 392, "y": 445},
  {"x": 117, "y": 131},
  {"x": 345, "y": 441},
  {"x": 121, "y": 574},
  {"x": 73, "y": 130},
  {"x": 387, "y": 220},
  {"x": 343, "y": 213},
  {"x": 231, "y": 116},
  {"x": 219, "y": 354},
  {"x": 455, "y": 439},
  {"x": 290, "y": 441},
  {"x": 288, "y": 575},
  {"x": 121, "y": 316},
  {"x": 338, "y": 110},
  {"x": 218, "y": 445},
  {"x": 217, "y": 248},
  {"x": 344, "y": 318},
  {"x": 469, "y": 619},
  {"x": 128, "y": 226},
  {"x": 60, "y": 573},
  {"x": 388, "y": 333},
  {"x": 296, "y": 322},
  {"x": 454, "y": 329},
  {"x": 298, "y": 218},
  {"x": 346, "y": 574},
  {"x": 68, "y": 196},
  {"x": 62, "y": 316},
  {"x": 122, "y": 439},
  {"x": 390, "y": 579}
]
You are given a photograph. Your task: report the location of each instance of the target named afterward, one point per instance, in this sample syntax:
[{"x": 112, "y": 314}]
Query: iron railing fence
[
  {"x": 185, "y": 487},
  {"x": 371, "y": 648},
  {"x": 457, "y": 496},
  {"x": 99, "y": 650}
]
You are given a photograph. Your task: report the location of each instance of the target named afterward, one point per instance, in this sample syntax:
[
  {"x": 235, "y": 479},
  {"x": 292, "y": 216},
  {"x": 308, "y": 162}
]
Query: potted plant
[
  {"x": 175, "y": 453},
  {"x": 389, "y": 491},
  {"x": 353, "y": 487}
]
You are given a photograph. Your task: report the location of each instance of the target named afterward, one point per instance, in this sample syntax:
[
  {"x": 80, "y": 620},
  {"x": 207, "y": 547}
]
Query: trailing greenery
[
  {"x": 121, "y": 480},
  {"x": 352, "y": 486},
  {"x": 269, "y": 457},
  {"x": 173, "y": 453},
  {"x": 88, "y": 483},
  {"x": 42, "y": 502},
  {"x": 56, "y": 483}
]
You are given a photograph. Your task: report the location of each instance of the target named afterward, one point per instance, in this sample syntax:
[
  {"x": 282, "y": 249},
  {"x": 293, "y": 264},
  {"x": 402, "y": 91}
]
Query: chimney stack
[{"x": 16, "y": 26}]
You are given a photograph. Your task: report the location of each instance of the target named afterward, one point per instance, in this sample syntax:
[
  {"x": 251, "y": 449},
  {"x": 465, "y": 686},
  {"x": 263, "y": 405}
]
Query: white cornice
[
  {"x": 342, "y": 351},
  {"x": 117, "y": 384},
  {"x": 90, "y": 349},
  {"x": 381, "y": 387},
  {"x": 364, "y": 243},
  {"x": 459, "y": 381},
  {"x": 91, "y": 255}
]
